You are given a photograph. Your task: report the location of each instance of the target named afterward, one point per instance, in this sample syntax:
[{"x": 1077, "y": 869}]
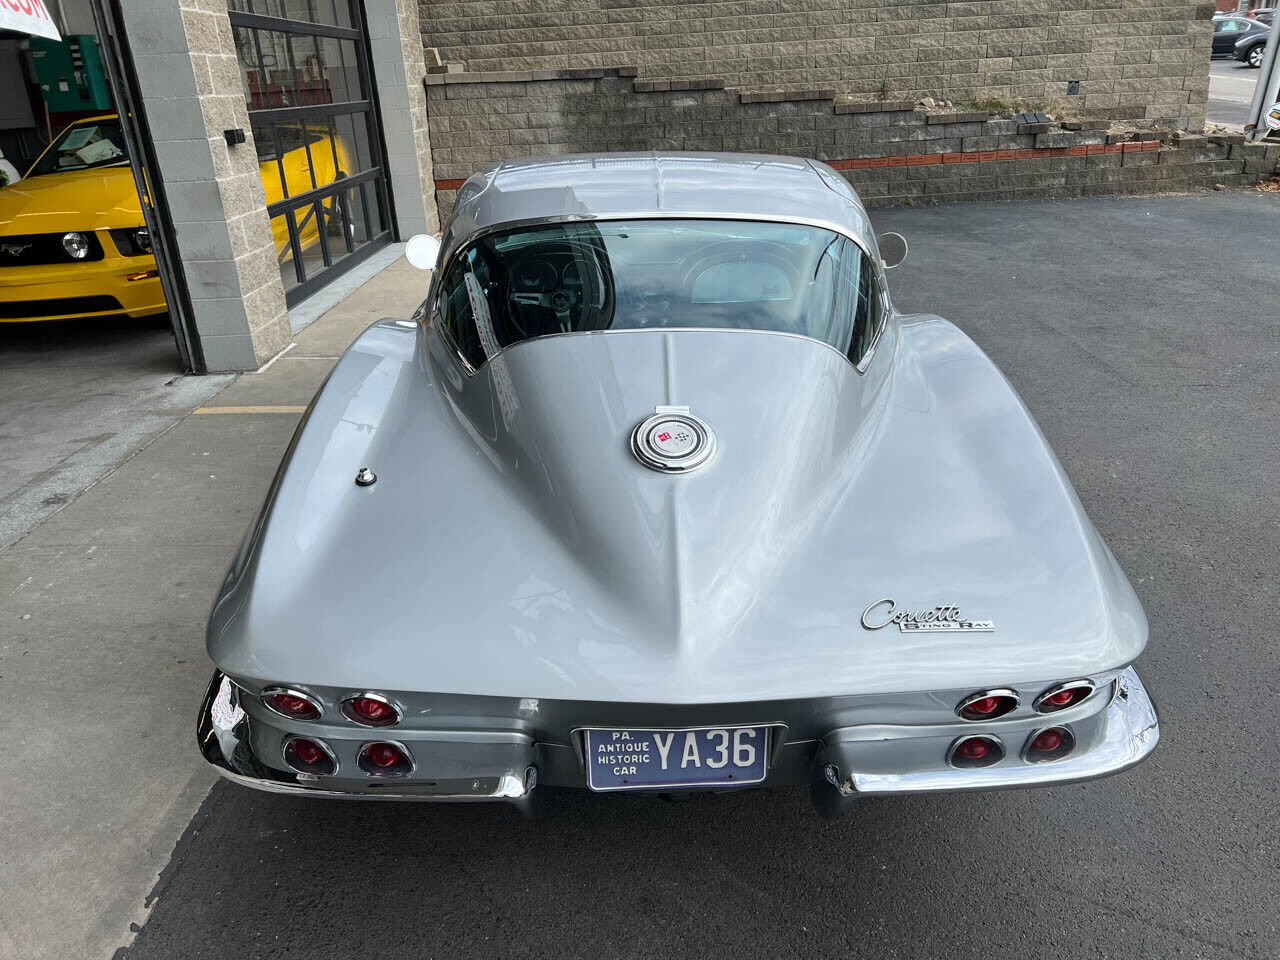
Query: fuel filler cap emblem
[{"x": 672, "y": 441}]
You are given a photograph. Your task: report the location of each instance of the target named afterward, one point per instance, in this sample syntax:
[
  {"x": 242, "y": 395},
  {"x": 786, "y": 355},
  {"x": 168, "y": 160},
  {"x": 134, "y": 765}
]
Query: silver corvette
[{"x": 657, "y": 492}]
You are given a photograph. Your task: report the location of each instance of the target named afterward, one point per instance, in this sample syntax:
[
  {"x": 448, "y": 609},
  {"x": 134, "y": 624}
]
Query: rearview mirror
[
  {"x": 421, "y": 251},
  {"x": 893, "y": 249}
]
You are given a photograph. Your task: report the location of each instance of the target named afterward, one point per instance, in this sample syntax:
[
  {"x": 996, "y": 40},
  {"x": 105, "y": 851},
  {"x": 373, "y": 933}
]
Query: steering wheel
[{"x": 562, "y": 300}]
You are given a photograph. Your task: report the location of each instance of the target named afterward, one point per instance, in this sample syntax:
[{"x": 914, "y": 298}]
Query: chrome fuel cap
[{"x": 672, "y": 441}]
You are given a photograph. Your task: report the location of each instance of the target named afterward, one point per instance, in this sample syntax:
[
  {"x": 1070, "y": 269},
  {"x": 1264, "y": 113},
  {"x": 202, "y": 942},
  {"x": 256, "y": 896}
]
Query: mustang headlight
[
  {"x": 76, "y": 245},
  {"x": 132, "y": 242}
]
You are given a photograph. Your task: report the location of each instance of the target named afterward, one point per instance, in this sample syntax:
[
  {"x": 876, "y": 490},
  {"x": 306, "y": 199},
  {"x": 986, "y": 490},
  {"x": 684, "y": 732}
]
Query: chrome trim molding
[
  {"x": 1004, "y": 692},
  {"x": 291, "y": 691},
  {"x": 386, "y": 774},
  {"x": 1065, "y": 750},
  {"x": 463, "y": 240},
  {"x": 509, "y": 787},
  {"x": 328, "y": 752},
  {"x": 461, "y": 243},
  {"x": 966, "y": 765},
  {"x": 1058, "y": 688},
  {"x": 1132, "y": 732},
  {"x": 370, "y": 695}
]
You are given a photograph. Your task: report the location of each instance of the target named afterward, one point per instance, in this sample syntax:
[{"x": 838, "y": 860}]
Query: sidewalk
[
  {"x": 102, "y": 660},
  {"x": 77, "y": 400}
]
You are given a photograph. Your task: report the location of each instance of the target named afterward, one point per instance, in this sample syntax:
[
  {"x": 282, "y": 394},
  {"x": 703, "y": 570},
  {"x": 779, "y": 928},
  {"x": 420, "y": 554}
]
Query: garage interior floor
[
  {"x": 1143, "y": 335},
  {"x": 77, "y": 398}
]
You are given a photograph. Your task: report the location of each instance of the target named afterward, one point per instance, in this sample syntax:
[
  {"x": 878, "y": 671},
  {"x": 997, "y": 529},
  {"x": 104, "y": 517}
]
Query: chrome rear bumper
[
  {"x": 1114, "y": 739},
  {"x": 503, "y": 764},
  {"x": 863, "y": 759}
]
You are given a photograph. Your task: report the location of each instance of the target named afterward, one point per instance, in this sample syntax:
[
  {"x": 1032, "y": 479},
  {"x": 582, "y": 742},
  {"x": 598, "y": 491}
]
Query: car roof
[{"x": 612, "y": 186}]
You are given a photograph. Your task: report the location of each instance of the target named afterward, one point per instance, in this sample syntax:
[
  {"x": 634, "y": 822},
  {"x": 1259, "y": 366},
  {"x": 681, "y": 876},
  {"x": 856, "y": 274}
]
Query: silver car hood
[{"x": 513, "y": 546}]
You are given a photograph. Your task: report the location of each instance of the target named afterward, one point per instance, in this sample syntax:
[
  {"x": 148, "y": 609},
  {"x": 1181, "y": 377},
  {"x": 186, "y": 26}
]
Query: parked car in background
[
  {"x": 1251, "y": 48},
  {"x": 1266, "y": 16},
  {"x": 73, "y": 242},
  {"x": 1228, "y": 31},
  {"x": 72, "y": 239},
  {"x": 658, "y": 492}
]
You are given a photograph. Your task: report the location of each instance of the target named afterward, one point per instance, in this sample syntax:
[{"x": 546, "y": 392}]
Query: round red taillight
[
  {"x": 1051, "y": 744},
  {"x": 987, "y": 705},
  {"x": 385, "y": 755},
  {"x": 1048, "y": 741},
  {"x": 1062, "y": 696},
  {"x": 975, "y": 752},
  {"x": 385, "y": 759},
  {"x": 370, "y": 710},
  {"x": 308, "y": 751},
  {"x": 309, "y": 756},
  {"x": 293, "y": 704}
]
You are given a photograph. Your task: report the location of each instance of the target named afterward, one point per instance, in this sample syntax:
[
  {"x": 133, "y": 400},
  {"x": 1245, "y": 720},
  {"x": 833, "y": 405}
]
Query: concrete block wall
[
  {"x": 192, "y": 88},
  {"x": 187, "y": 69},
  {"x": 399, "y": 67},
  {"x": 1119, "y": 51},
  {"x": 891, "y": 151}
]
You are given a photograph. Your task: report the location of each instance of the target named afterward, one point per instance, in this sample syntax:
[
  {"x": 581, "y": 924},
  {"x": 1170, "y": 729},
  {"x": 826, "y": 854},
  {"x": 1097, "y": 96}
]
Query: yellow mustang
[{"x": 72, "y": 239}]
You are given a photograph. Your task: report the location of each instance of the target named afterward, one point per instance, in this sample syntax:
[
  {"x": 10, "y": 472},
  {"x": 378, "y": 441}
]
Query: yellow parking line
[{"x": 263, "y": 408}]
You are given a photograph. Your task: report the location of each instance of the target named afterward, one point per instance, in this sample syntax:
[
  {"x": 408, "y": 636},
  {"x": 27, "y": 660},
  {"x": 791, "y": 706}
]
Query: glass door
[{"x": 305, "y": 69}]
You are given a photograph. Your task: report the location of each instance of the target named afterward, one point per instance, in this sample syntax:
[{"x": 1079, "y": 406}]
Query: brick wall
[
  {"x": 1153, "y": 51},
  {"x": 891, "y": 151}
]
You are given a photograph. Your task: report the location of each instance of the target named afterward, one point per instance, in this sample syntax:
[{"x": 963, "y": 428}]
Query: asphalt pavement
[
  {"x": 1144, "y": 336},
  {"x": 1231, "y": 86}
]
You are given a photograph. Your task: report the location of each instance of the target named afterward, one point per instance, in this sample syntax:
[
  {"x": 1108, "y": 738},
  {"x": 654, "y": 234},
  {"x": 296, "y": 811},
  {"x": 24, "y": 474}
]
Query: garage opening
[
  {"x": 85, "y": 246},
  {"x": 307, "y": 83}
]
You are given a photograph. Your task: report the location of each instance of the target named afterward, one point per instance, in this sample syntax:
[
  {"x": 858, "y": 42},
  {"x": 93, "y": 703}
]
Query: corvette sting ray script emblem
[{"x": 945, "y": 616}]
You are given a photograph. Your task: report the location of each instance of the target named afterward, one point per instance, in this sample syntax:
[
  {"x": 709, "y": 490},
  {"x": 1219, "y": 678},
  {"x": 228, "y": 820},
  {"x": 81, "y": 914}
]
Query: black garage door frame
[
  {"x": 358, "y": 200},
  {"x": 118, "y": 61}
]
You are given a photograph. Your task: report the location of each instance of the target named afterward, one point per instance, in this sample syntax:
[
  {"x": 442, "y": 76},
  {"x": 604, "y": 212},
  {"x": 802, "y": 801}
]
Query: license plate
[{"x": 642, "y": 759}]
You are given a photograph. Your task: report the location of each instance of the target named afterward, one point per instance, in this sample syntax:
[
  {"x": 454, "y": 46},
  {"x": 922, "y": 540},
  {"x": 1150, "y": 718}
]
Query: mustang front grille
[{"x": 36, "y": 249}]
